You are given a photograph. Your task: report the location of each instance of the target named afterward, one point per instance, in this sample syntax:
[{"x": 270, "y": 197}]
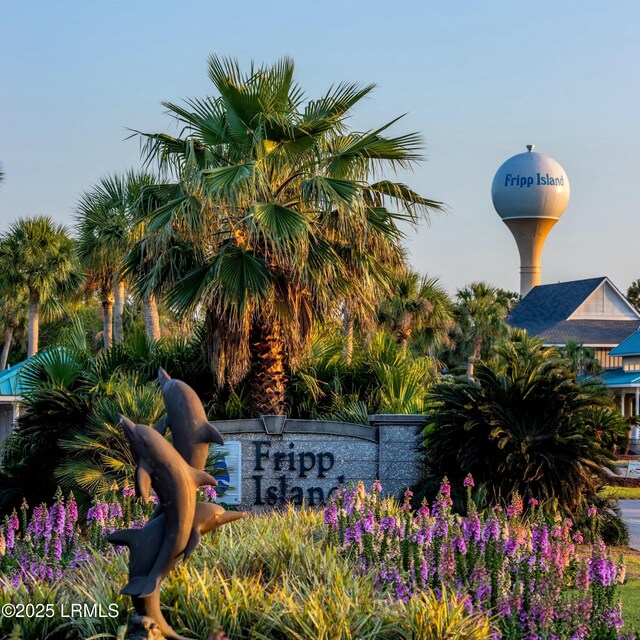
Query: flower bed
[
  {"x": 525, "y": 572},
  {"x": 45, "y": 545}
]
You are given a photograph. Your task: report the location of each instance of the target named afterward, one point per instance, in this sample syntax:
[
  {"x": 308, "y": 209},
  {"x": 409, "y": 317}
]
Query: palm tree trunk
[
  {"x": 267, "y": 379},
  {"x": 107, "y": 320},
  {"x": 118, "y": 330},
  {"x": 6, "y": 347},
  {"x": 34, "y": 323},
  {"x": 151, "y": 318},
  {"x": 347, "y": 333}
]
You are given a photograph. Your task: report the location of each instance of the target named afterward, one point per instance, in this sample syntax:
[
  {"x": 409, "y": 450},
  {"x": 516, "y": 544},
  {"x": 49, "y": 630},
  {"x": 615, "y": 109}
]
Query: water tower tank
[{"x": 530, "y": 192}]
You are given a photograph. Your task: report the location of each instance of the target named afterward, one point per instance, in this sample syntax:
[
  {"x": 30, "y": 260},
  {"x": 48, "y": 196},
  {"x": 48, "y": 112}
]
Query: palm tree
[
  {"x": 481, "y": 312},
  {"x": 106, "y": 231},
  {"x": 12, "y": 313},
  {"x": 582, "y": 360},
  {"x": 40, "y": 257},
  {"x": 418, "y": 308},
  {"x": 281, "y": 214},
  {"x": 524, "y": 425}
]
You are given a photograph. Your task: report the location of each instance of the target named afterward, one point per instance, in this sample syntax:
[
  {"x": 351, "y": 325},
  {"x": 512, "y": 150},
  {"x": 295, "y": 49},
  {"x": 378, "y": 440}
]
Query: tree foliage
[{"x": 524, "y": 425}]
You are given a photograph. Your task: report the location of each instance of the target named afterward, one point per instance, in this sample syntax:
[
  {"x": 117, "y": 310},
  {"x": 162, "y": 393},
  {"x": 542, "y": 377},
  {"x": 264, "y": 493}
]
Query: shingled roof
[{"x": 546, "y": 309}]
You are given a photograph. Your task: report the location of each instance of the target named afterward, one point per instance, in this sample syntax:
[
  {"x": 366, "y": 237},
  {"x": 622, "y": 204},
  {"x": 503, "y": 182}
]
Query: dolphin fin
[
  {"x": 202, "y": 477},
  {"x": 208, "y": 433},
  {"x": 230, "y": 516},
  {"x": 134, "y": 586},
  {"x": 162, "y": 425},
  {"x": 143, "y": 482},
  {"x": 163, "y": 377},
  {"x": 124, "y": 537}
]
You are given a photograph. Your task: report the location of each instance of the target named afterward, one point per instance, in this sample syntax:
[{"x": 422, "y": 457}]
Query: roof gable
[
  {"x": 546, "y": 305},
  {"x": 605, "y": 303}
]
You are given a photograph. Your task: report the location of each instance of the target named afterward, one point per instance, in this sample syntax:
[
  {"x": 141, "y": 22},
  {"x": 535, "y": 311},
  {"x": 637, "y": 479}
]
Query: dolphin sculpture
[
  {"x": 144, "y": 545},
  {"x": 186, "y": 418},
  {"x": 175, "y": 483}
]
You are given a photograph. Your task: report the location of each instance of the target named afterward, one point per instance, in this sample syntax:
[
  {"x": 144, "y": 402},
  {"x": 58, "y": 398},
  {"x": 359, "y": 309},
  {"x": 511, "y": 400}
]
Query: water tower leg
[{"x": 530, "y": 235}]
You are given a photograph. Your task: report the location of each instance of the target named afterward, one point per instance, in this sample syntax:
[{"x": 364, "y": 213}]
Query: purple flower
[{"x": 468, "y": 481}]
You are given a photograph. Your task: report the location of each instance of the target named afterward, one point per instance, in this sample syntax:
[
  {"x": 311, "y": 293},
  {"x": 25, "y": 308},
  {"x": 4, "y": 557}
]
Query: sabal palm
[
  {"x": 106, "y": 227},
  {"x": 13, "y": 311},
  {"x": 481, "y": 312},
  {"x": 39, "y": 256},
  {"x": 277, "y": 199},
  {"x": 419, "y": 307},
  {"x": 524, "y": 425}
]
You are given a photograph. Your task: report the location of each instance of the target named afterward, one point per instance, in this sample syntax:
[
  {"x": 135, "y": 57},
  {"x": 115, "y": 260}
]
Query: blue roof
[
  {"x": 630, "y": 346},
  {"x": 10, "y": 380},
  {"x": 620, "y": 377}
]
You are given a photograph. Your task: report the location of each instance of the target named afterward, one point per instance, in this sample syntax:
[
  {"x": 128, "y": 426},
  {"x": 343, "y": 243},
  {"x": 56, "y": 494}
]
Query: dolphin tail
[
  {"x": 135, "y": 586},
  {"x": 146, "y": 586},
  {"x": 124, "y": 537},
  {"x": 208, "y": 433}
]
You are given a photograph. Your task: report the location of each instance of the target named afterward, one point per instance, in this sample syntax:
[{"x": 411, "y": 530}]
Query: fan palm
[
  {"x": 13, "y": 299},
  {"x": 524, "y": 425},
  {"x": 105, "y": 226},
  {"x": 39, "y": 256},
  {"x": 279, "y": 215},
  {"x": 418, "y": 308},
  {"x": 481, "y": 312}
]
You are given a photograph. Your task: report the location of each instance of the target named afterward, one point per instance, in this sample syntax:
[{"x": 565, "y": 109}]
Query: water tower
[{"x": 530, "y": 192}]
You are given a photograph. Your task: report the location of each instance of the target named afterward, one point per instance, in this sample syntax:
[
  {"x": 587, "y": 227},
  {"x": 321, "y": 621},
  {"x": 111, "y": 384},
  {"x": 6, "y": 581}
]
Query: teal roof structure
[
  {"x": 10, "y": 380},
  {"x": 620, "y": 377},
  {"x": 628, "y": 347}
]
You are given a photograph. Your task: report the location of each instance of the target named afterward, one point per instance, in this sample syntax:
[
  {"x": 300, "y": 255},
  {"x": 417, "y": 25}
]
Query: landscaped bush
[
  {"x": 526, "y": 572},
  {"x": 523, "y": 425}
]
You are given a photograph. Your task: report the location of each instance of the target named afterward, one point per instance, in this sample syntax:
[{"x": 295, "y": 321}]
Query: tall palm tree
[
  {"x": 481, "y": 312},
  {"x": 13, "y": 307},
  {"x": 39, "y": 256},
  {"x": 280, "y": 211},
  {"x": 418, "y": 307},
  {"x": 106, "y": 232}
]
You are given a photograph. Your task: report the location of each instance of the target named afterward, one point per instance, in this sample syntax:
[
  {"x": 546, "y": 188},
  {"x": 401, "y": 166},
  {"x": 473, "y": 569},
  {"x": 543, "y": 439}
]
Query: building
[
  {"x": 10, "y": 397},
  {"x": 595, "y": 314}
]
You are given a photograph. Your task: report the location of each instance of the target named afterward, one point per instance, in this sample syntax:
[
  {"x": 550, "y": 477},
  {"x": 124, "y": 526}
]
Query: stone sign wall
[{"x": 306, "y": 460}]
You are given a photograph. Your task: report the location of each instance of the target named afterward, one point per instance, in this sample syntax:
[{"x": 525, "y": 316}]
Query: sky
[{"x": 478, "y": 80}]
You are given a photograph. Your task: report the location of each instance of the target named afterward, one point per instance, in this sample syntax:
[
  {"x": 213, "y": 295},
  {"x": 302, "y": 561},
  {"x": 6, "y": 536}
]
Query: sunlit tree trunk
[
  {"x": 347, "y": 333},
  {"x": 107, "y": 319},
  {"x": 6, "y": 347},
  {"x": 118, "y": 311},
  {"x": 34, "y": 324},
  {"x": 151, "y": 318},
  {"x": 267, "y": 379}
]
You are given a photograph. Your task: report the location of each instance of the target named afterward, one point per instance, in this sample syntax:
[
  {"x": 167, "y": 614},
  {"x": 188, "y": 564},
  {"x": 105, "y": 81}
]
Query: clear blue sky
[{"x": 478, "y": 79}]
